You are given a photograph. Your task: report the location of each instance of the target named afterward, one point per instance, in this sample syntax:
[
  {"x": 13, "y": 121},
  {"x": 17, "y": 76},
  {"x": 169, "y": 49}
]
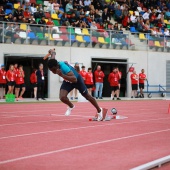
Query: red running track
[{"x": 30, "y": 138}]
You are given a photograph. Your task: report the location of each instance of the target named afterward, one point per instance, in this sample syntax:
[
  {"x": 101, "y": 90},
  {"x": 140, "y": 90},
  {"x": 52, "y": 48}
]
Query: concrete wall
[{"x": 153, "y": 62}]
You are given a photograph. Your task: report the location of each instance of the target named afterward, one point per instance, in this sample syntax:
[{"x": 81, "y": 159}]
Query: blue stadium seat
[
  {"x": 73, "y": 39},
  {"x": 32, "y": 37},
  {"x": 8, "y": 11},
  {"x": 133, "y": 30}
]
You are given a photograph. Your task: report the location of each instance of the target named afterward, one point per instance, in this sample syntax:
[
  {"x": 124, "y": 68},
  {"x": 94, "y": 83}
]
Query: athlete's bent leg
[
  {"x": 64, "y": 98},
  {"x": 92, "y": 101}
]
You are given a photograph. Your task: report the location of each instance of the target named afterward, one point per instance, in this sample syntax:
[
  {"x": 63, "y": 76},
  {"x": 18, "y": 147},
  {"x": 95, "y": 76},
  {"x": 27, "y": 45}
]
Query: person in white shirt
[
  {"x": 166, "y": 32},
  {"x": 133, "y": 20},
  {"x": 87, "y": 2},
  {"x": 146, "y": 15}
]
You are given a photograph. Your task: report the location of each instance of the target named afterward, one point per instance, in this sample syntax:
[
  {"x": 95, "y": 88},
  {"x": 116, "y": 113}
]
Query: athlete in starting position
[{"x": 72, "y": 80}]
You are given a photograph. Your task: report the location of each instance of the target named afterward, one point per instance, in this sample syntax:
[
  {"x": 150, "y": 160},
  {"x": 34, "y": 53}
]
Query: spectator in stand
[
  {"x": 27, "y": 5},
  {"x": 10, "y": 18},
  {"x": 98, "y": 75},
  {"x": 11, "y": 31},
  {"x": 87, "y": 4},
  {"x": 69, "y": 7},
  {"x": 2, "y": 13},
  {"x": 20, "y": 84},
  {"x": 146, "y": 26},
  {"x": 33, "y": 80},
  {"x": 140, "y": 24},
  {"x": 167, "y": 14},
  {"x": 146, "y": 15},
  {"x": 39, "y": 14},
  {"x": 40, "y": 8},
  {"x": 89, "y": 80},
  {"x": 153, "y": 18},
  {"x": 133, "y": 20},
  {"x": 126, "y": 22},
  {"x": 97, "y": 17},
  {"x": 40, "y": 82},
  {"x": 154, "y": 32},
  {"x": 142, "y": 78},
  {"x": 166, "y": 32},
  {"x": 93, "y": 26},
  {"x": 64, "y": 20},
  {"x": 111, "y": 9},
  {"x": 134, "y": 82},
  {"x": 18, "y": 12},
  {"x": 42, "y": 22},
  {"x": 10, "y": 76},
  {"x": 134, "y": 5},
  {"x": 118, "y": 14},
  {"x": 33, "y": 8},
  {"x": 33, "y": 24},
  {"x": 2, "y": 82},
  {"x": 105, "y": 15},
  {"x": 74, "y": 21},
  {"x": 113, "y": 79},
  {"x": 26, "y": 13},
  {"x": 50, "y": 24}
]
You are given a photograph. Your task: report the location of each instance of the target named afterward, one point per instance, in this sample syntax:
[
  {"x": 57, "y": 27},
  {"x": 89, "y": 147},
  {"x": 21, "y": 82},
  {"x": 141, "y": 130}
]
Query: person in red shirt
[
  {"x": 89, "y": 80},
  {"x": 113, "y": 79},
  {"x": 98, "y": 75},
  {"x": 33, "y": 80},
  {"x": 83, "y": 72},
  {"x": 142, "y": 78},
  {"x": 11, "y": 76},
  {"x": 20, "y": 84},
  {"x": 2, "y": 81},
  {"x": 27, "y": 14},
  {"x": 134, "y": 81}
]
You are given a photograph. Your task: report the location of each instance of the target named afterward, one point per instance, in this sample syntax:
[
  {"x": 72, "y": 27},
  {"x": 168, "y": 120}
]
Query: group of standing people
[
  {"x": 135, "y": 80},
  {"x": 95, "y": 81},
  {"x": 14, "y": 79}
]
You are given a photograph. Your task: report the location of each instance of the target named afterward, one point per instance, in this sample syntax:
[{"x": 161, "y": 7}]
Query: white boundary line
[
  {"x": 79, "y": 147},
  {"x": 77, "y": 128}
]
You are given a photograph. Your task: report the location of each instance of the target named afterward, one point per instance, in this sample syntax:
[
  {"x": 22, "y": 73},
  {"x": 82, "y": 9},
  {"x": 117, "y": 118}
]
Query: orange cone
[{"x": 169, "y": 109}]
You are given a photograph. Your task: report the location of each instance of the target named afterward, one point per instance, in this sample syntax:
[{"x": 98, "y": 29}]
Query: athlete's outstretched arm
[{"x": 69, "y": 76}]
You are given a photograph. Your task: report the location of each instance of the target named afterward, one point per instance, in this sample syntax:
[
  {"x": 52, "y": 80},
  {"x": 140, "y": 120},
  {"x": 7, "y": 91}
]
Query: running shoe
[
  {"x": 69, "y": 109},
  {"x": 100, "y": 115},
  {"x": 118, "y": 98}
]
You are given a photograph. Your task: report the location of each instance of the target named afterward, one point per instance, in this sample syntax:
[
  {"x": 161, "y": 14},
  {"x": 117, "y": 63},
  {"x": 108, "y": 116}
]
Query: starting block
[{"x": 107, "y": 117}]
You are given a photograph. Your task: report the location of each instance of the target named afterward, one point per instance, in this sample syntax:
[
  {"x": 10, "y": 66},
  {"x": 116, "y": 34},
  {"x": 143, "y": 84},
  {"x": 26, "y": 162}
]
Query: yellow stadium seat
[
  {"x": 79, "y": 38},
  {"x": 142, "y": 36},
  {"x": 48, "y": 36},
  {"x": 23, "y": 27},
  {"x": 131, "y": 12},
  {"x": 85, "y": 31},
  {"x": 54, "y": 16},
  {"x": 157, "y": 44},
  {"x": 165, "y": 21},
  {"x": 101, "y": 40},
  {"x": 16, "y": 6},
  {"x": 46, "y": 20}
]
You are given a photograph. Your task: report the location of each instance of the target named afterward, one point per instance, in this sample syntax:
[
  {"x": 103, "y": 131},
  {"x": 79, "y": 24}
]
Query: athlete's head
[
  {"x": 53, "y": 65},
  {"x": 142, "y": 70}
]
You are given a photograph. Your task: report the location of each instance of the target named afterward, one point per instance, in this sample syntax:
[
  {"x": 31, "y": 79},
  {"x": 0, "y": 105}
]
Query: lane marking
[
  {"x": 80, "y": 146},
  {"x": 77, "y": 128}
]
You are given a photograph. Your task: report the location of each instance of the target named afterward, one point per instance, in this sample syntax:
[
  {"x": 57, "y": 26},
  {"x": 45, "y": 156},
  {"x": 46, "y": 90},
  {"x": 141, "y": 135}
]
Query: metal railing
[{"x": 22, "y": 33}]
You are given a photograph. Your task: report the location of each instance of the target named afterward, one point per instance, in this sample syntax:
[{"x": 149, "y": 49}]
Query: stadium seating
[
  {"x": 71, "y": 30},
  {"x": 8, "y": 11},
  {"x": 102, "y": 41},
  {"x": 85, "y": 31},
  {"x": 79, "y": 40},
  {"x": 142, "y": 37},
  {"x": 78, "y": 31},
  {"x": 56, "y": 23},
  {"x": 55, "y": 16},
  {"x": 23, "y": 27},
  {"x": 63, "y": 30},
  {"x": 32, "y": 37},
  {"x": 40, "y": 37},
  {"x": 133, "y": 30},
  {"x": 87, "y": 40}
]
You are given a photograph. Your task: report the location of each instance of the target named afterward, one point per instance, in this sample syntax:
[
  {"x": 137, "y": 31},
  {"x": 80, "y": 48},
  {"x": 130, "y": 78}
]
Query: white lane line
[
  {"x": 45, "y": 121},
  {"x": 80, "y": 146},
  {"x": 78, "y": 128}
]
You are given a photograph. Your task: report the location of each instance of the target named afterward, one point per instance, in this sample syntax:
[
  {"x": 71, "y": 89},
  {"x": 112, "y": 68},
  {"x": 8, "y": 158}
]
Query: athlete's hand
[{"x": 59, "y": 72}]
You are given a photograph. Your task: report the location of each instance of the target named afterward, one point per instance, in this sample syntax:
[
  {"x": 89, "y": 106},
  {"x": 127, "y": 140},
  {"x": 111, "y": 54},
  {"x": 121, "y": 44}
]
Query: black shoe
[
  {"x": 43, "y": 98},
  {"x": 136, "y": 97},
  {"x": 76, "y": 98},
  {"x": 131, "y": 96},
  {"x": 96, "y": 97},
  {"x": 118, "y": 98},
  {"x": 101, "y": 98},
  {"x": 113, "y": 98},
  {"x": 37, "y": 99}
]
